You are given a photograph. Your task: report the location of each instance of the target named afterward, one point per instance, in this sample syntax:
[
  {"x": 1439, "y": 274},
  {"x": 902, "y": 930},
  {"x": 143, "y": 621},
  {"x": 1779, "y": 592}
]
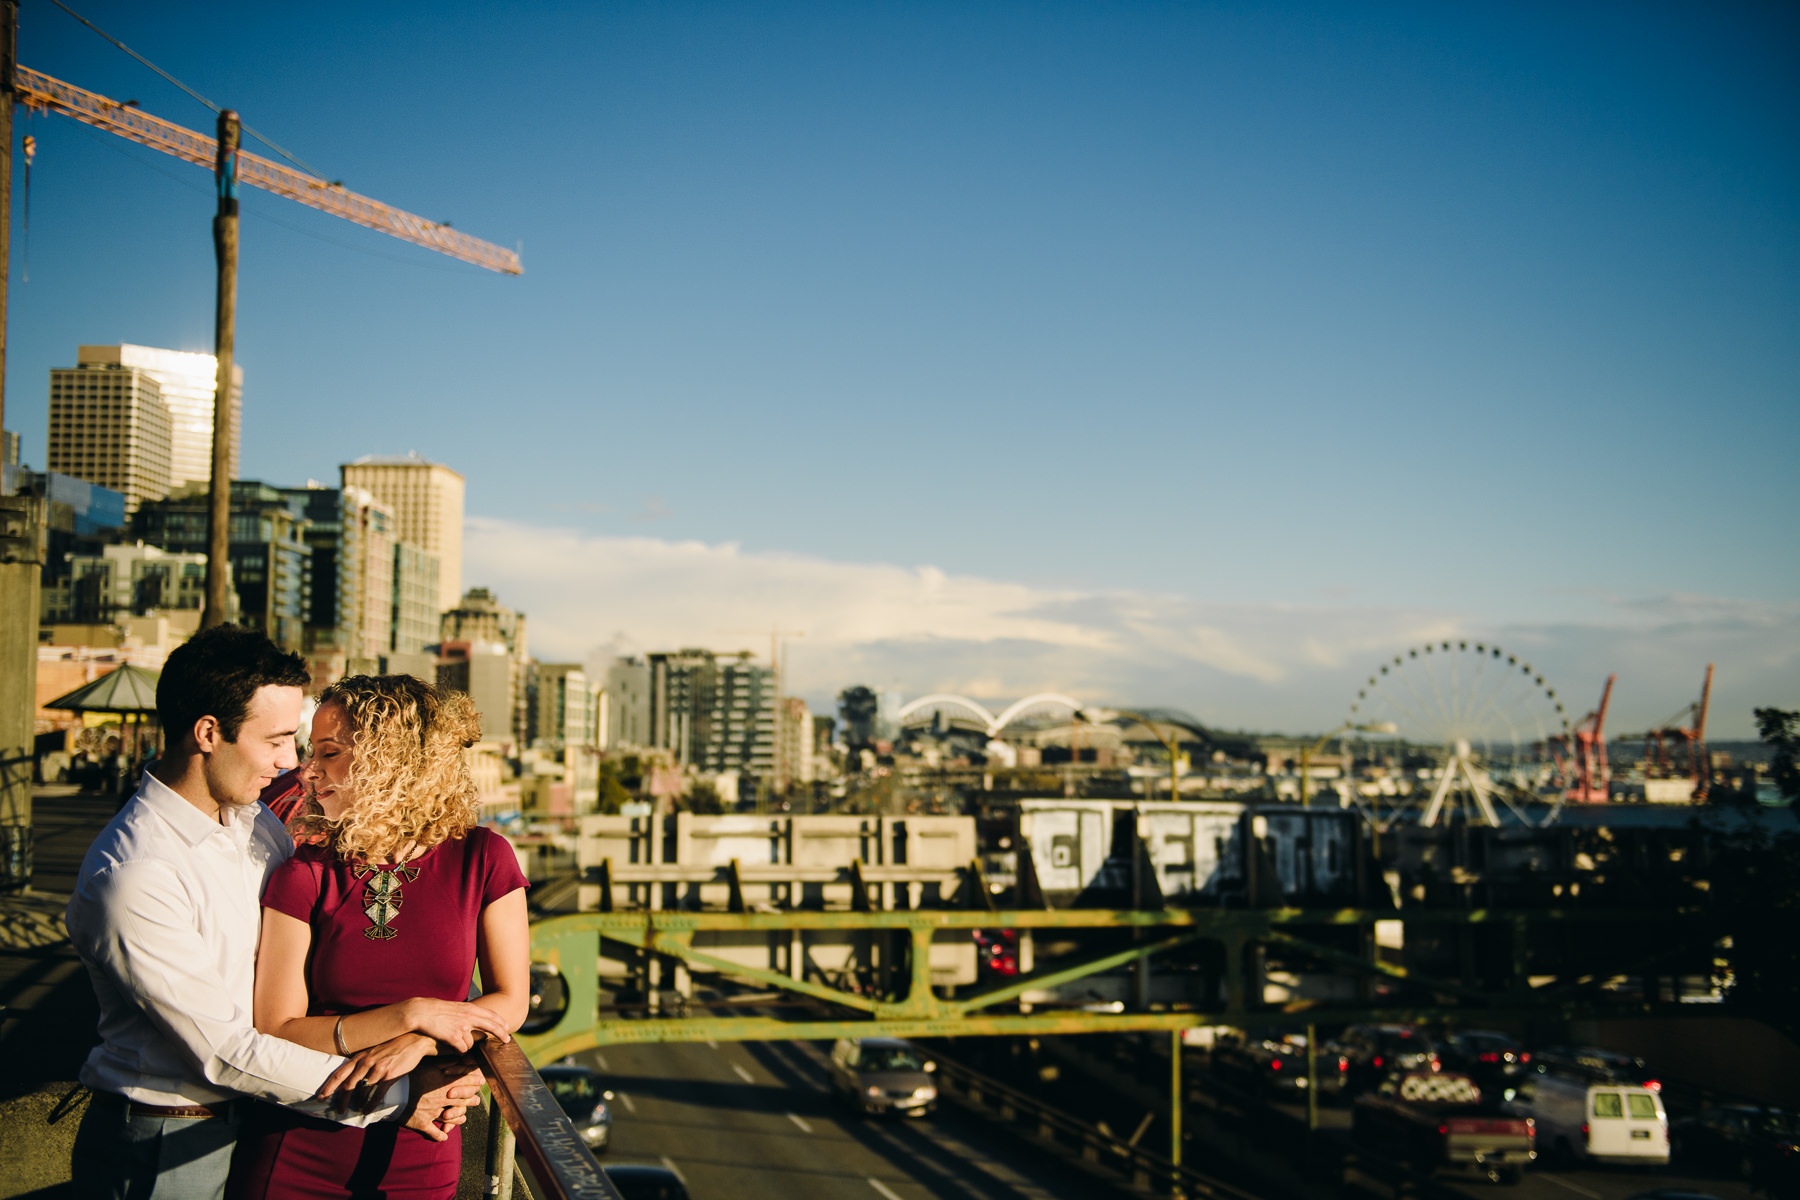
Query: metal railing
[{"x": 527, "y": 1127}]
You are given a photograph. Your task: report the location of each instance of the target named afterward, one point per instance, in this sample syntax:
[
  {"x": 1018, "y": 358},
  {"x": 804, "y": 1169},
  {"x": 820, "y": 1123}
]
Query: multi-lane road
[{"x": 755, "y": 1121}]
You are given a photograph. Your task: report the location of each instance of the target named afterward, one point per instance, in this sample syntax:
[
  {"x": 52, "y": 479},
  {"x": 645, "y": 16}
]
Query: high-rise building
[
  {"x": 484, "y": 670},
  {"x": 413, "y": 617},
  {"x": 479, "y": 618},
  {"x": 565, "y": 708},
  {"x": 269, "y": 554},
  {"x": 796, "y": 733},
  {"x": 188, "y": 382},
  {"x": 627, "y": 704},
  {"x": 427, "y": 499},
  {"x": 716, "y": 713},
  {"x": 110, "y": 426},
  {"x": 351, "y": 612}
]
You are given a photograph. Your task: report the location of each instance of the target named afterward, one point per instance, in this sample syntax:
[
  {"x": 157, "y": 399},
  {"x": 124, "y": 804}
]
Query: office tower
[
  {"x": 480, "y": 619},
  {"x": 110, "y": 426},
  {"x": 565, "y": 707},
  {"x": 627, "y": 693},
  {"x": 351, "y": 616},
  {"x": 413, "y": 610},
  {"x": 269, "y": 554},
  {"x": 188, "y": 382},
  {"x": 427, "y": 499},
  {"x": 716, "y": 713},
  {"x": 485, "y": 671}
]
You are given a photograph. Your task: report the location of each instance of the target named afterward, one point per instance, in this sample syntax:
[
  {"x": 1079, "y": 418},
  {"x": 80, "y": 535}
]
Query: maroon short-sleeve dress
[{"x": 380, "y": 936}]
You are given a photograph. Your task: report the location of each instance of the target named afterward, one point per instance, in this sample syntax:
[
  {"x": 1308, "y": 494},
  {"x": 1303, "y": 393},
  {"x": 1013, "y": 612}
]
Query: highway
[
  {"x": 755, "y": 1121},
  {"x": 1547, "y": 1182}
]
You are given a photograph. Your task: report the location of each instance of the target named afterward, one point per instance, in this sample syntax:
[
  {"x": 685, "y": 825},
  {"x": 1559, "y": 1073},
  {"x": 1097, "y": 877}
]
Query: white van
[{"x": 1604, "y": 1122}]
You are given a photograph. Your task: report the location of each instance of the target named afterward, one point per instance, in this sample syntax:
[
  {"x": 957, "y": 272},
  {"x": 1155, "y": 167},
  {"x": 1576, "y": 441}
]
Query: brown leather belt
[{"x": 136, "y": 1108}]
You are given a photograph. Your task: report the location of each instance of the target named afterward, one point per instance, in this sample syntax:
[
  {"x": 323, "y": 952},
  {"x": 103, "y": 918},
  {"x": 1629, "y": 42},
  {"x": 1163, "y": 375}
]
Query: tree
[
  {"x": 1757, "y": 894},
  {"x": 858, "y": 707},
  {"x": 1781, "y": 729},
  {"x": 613, "y": 793},
  {"x": 703, "y": 797}
]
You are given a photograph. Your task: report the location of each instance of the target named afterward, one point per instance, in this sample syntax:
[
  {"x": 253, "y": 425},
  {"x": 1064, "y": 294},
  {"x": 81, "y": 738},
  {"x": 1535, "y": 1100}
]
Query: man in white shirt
[{"x": 166, "y": 913}]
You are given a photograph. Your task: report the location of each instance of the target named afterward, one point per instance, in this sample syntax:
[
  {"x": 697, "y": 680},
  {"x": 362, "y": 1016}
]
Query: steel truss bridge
[{"x": 1489, "y": 964}]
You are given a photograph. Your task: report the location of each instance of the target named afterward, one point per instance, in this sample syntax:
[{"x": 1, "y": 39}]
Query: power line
[{"x": 298, "y": 162}]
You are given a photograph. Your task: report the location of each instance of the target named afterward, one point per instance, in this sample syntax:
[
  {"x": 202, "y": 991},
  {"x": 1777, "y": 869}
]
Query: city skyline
[{"x": 1140, "y": 348}]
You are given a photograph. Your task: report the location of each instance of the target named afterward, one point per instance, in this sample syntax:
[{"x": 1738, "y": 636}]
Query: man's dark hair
[{"x": 215, "y": 673}]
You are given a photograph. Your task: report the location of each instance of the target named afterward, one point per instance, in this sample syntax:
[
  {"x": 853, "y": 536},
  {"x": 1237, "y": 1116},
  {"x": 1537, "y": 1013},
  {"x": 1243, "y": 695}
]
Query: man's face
[{"x": 237, "y": 772}]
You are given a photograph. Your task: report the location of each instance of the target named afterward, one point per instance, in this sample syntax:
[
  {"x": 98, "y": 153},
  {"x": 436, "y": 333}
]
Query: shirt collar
[{"x": 193, "y": 825}]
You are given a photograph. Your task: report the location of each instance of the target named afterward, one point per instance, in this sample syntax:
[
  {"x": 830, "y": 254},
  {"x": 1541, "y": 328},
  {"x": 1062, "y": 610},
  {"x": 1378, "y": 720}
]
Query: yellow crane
[{"x": 230, "y": 164}]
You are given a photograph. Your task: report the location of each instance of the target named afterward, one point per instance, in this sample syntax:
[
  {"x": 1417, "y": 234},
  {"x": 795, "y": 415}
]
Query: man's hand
[
  {"x": 443, "y": 1092},
  {"x": 365, "y": 1074}
]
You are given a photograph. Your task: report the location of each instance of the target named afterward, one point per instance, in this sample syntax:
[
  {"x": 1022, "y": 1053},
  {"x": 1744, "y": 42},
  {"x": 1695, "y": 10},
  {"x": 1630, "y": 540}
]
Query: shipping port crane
[
  {"x": 230, "y": 165},
  {"x": 1586, "y": 746},
  {"x": 1692, "y": 760}
]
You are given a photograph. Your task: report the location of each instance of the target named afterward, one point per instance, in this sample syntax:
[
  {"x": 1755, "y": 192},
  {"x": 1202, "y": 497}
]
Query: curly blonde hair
[{"x": 412, "y": 781}]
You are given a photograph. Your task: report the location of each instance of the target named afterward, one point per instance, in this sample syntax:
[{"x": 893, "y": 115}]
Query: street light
[{"x": 1307, "y": 752}]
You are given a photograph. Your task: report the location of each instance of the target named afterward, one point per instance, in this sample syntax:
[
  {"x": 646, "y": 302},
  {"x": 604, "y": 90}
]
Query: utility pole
[
  {"x": 9, "y": 62},
  {"x": 21, "y": 549},
  {"x": 225, "y": 250}
]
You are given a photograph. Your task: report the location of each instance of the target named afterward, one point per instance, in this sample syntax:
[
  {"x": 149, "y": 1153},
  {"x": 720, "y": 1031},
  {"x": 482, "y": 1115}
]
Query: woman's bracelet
[{"x": 337, "y": 1035}]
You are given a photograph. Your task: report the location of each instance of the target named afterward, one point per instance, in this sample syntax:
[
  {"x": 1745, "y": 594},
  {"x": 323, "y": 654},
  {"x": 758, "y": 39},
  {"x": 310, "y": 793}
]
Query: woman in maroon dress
[{"x": 371, "y": 935}]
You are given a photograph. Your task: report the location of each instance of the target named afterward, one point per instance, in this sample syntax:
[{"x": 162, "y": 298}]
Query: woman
[{"x": 372, "y": 930}]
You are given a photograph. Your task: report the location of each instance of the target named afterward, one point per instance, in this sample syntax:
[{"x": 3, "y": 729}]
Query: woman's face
[{"x": 327, "y": 769}]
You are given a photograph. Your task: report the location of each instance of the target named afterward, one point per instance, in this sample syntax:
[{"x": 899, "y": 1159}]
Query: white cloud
[{"x": 1291, "y": 667}]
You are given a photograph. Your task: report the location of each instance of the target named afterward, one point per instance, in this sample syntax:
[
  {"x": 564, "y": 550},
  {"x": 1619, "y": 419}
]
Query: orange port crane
[
  {"x": 1586, "y": 744},
  {"x": 229, "y": 163},
  {"x": 1693, "y": 761}
]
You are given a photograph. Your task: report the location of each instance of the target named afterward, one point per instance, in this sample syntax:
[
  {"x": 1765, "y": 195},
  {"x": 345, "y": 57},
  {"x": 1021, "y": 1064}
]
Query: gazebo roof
[{"x": 127, "y": 689}]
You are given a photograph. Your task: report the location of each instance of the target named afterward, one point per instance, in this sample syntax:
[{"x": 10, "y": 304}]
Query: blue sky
[{"x": 1198, "y": 354}]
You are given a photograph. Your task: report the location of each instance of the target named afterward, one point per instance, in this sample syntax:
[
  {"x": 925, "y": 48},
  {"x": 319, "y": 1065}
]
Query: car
[
  {"x": 880, "y": 1076},
  {"x": 1744, "y": 1139},
  {"x": 641, "y": 1181},
  {"x": 997, "y": 950},
  {"x": 1595, "y": 1065},
  {"x": 583, "y": 1098},
  {"x": 1268, "y": 1062},
  {"x": 1491, "y": 1059},
  {"x": 1371, "y": 1053}
]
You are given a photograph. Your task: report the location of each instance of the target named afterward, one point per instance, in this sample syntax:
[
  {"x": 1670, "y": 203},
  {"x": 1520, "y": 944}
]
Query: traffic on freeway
[{"x": 764, "y": 1121}]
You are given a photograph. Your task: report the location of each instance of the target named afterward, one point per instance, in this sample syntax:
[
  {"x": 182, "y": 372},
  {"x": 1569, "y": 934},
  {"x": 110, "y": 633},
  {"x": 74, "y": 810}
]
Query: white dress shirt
[{"x": 166, "y": 914}]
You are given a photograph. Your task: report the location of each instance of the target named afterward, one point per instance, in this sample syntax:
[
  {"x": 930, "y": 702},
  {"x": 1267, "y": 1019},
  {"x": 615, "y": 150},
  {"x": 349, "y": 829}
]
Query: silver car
[
  {"x": 884, "y": 1075},
  {"x": 583, "y": 1098}
]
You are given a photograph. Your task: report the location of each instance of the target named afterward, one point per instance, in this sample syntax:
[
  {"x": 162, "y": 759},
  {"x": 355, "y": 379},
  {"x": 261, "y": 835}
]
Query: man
[{"x": 166, "y": 916}]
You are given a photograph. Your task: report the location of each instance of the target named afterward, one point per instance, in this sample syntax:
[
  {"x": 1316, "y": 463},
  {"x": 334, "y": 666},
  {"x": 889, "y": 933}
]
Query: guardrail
[
  {"x": 1033, "y": 1116},
  {"x": 527, "y": 1126}
]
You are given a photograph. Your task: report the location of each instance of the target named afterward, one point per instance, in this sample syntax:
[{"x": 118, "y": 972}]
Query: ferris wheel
[{"x": 1485, "y": 717}]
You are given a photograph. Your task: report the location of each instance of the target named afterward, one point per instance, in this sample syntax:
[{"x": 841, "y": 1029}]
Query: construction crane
[
  {"x": 1586, "y": 745},
  {"x": 230, "y": 165},
  {"x": 39, "y": 91}
]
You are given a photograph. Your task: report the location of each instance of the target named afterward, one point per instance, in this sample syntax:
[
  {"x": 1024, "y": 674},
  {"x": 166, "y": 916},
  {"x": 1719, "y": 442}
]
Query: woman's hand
[
  {"x": 453, "y": 1022},
  {"x": 367, "y": 1070}
]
